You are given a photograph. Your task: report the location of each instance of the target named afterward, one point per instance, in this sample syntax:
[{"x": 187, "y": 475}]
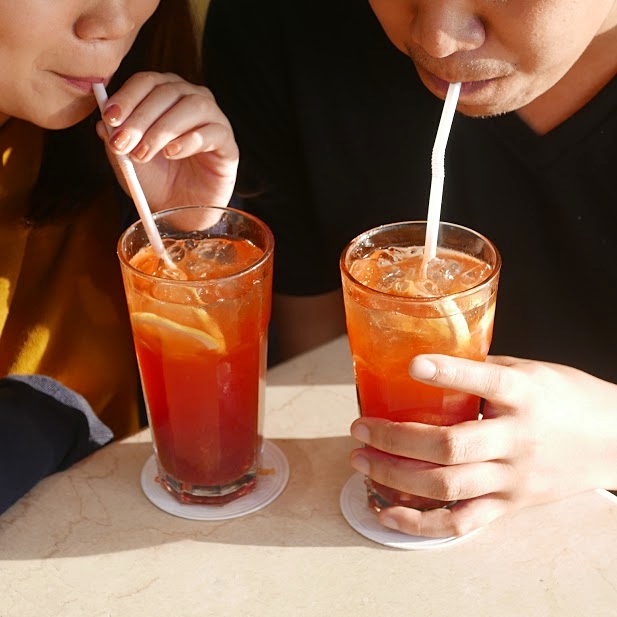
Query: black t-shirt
[{"x": 336, "y": 131}]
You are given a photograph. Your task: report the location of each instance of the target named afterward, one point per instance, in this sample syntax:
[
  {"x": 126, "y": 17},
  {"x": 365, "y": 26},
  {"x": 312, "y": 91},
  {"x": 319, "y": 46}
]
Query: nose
[
  {"x": 444, "y": 27},
  {"x": 105, "y": 20}
]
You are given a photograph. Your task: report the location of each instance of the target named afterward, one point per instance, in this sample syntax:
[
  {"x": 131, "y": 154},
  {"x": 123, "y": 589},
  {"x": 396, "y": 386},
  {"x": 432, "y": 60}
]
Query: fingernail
[
  {"x": 361, "y": 432},
  {"x": 360, "y": 463},
  {"x": 141, "y": 151},
  {"x": 421, "y": 368},
  {"x": 121, "y": 140},
  {"x": 390, "y": 523},
  {"x": 173, "y": 149},
  {"x": 112, "y": 114}
]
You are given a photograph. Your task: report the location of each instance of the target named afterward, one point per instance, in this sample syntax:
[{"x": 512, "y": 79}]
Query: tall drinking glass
[
  {"x": 395, "y": 311},
  {"x": 200, "y": 333}
]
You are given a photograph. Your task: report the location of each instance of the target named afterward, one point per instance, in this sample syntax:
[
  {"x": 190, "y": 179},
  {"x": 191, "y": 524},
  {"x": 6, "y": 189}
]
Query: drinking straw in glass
[{"x": 137, "y": 193}]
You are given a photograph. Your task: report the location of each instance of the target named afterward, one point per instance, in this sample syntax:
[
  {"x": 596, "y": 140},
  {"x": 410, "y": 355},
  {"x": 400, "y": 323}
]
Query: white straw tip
[{"x": 100, "y": 94}]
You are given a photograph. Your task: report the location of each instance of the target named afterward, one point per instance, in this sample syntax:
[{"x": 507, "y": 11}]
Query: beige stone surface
[{"x": 87, "y": 542}]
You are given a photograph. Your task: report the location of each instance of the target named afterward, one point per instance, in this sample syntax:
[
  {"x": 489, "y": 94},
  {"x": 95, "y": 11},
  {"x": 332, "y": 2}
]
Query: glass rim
[
  {"x": 137, "y": 225},
  {"x": 495, "y": 269}
]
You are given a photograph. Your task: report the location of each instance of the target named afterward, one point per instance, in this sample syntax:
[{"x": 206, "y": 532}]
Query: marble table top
[{"x": 87, "y": 542}]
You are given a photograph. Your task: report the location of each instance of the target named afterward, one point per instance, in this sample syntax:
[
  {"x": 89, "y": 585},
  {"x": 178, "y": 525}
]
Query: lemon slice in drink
[
  {"x": 178, "y": 335},
  {"x": 456, "y": 321},
  {"x": 449, "y": 310}
]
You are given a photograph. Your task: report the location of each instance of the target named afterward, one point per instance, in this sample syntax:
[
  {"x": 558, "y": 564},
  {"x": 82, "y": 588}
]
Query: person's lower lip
[
  {"x": 467, "y": 87},
  {"x": 471, "y": 87},
  {"x": 82, "y": 84}
]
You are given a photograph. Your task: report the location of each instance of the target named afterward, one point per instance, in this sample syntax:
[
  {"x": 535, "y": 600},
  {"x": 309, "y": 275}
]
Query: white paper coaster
[
  {"x": 610, "y": 495},
  {"x": 270, "y": 484},
  {"x": 357, "y": 513}
]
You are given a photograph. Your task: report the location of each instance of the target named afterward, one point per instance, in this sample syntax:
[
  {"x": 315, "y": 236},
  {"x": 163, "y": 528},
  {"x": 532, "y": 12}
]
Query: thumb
[{"x": 493, "y": 380}]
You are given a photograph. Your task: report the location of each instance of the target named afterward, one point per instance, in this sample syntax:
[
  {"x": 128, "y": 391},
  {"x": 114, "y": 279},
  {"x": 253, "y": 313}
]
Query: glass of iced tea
[
  {"x": 200, "y": 332},
  {"x": 396, "y": 310}
]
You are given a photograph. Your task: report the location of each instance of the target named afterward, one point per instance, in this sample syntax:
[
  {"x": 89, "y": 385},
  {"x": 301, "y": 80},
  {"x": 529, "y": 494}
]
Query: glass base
[
  {"x": 272, "y": 477},
  {"x": 207, "y": 495},
  {"x": 361, "y": 518},
  {"x": 380, "y": 497}
]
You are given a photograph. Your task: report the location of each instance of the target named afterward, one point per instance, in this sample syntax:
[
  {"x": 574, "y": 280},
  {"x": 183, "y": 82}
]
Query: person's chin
[{"x": 66, "y": 117}]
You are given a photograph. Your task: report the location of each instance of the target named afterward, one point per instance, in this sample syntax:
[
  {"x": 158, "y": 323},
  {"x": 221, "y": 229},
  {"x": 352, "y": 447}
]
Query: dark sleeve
[
  {"x": 249, "y": 68},
  {"x": 44, "y": 427}
]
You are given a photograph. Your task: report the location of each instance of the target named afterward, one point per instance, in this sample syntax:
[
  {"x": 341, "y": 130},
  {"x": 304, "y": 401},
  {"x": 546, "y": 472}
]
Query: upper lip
[
  {"x": 459, "y": 68},
  {"x": 458, "y": 78}
]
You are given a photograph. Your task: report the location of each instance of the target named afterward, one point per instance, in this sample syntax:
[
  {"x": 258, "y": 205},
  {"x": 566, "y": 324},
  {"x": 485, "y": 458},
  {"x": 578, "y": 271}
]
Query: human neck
[
  {"x": 591, "y": 72},
  {"x": 3, "y": 119}
]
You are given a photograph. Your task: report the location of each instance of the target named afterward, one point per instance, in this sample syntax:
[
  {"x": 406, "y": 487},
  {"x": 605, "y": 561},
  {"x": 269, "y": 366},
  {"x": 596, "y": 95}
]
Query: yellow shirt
[{"x": 62, "y": 306}]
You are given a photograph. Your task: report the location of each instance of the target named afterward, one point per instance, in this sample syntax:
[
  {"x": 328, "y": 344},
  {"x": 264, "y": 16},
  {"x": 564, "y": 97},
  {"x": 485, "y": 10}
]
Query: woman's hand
[
  {"x": 548, "y": 431},
  {"x": 181, "y": 143}
]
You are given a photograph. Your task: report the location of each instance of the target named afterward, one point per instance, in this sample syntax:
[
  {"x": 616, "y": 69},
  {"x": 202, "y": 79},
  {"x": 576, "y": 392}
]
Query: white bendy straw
[
  {"x": 137, "y": 193},
  {"x": 438, "y": 174}
]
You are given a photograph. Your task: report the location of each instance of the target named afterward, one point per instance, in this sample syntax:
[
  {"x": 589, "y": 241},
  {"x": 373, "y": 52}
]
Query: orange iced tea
[
  {"x": 395, "y": 311},
  {"x": 200, "y": 332}
]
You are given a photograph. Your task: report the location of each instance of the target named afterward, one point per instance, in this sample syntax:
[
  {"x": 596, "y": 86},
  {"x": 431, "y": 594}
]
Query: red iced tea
[
  {"x": 200, "y": 332},
  {"x": 393, "y": 314}
]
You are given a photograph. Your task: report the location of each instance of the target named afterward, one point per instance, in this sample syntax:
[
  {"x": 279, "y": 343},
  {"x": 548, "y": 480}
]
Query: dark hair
[{"x": 74, "y": 165}]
